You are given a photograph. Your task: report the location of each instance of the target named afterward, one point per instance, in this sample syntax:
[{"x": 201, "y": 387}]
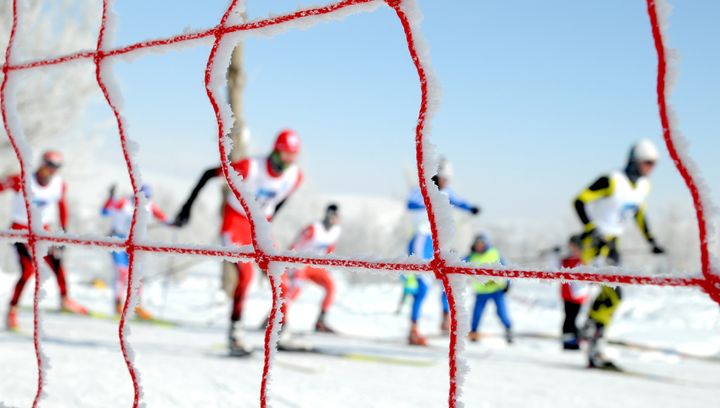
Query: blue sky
[{"x": 538, "y": 98}]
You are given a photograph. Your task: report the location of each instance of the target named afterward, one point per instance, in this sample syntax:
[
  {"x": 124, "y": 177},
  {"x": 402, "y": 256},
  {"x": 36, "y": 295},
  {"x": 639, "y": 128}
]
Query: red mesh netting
[{"x": 439, "y": 266}]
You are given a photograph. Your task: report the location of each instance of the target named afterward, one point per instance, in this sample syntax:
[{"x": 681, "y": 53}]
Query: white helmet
[
  {"x": 645, "y": 150},
  {"x": 445, "y": 169}
]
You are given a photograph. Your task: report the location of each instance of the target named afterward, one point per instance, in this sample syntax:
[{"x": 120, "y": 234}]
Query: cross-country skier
[
  {"x": 120, "y": 210},
  {"x": 48, "y": 198},
  {"x": 483, "y": 253},
  {"x": 604, "y": 209},
  {"x": 421, "y": 245},
  {"x": 271, "y": 180},
  {"x": 574, "y": 295},
  {"x": 319, "y": 237}
]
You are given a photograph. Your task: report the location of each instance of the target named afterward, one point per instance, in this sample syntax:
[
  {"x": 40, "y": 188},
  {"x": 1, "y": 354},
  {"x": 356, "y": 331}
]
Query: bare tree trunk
[
  {"x": 239, "y": 136},
  {"x": 236, "y": 86}
]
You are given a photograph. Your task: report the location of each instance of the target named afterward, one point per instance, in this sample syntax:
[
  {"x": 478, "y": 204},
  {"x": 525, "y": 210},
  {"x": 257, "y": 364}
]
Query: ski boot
[
  {"x": 11, "y": 322},
  {"x": 322, "y": 327},
  {"x": 474, "y": 336},
  {"x": 596, "y": 358},
  {"x": 509, "y": 338},
  {"x": 288, "y": 342},
  {"x": 416, "y": 339},
  {"x": 68, "y": 305},
  {"x": 237, "y": 347},
  {"x": 142, "y": 313},
  {"x": 599, "y": 361},
  {"x": 445, "y": 324},
  {"x": 570, "y": 342}
]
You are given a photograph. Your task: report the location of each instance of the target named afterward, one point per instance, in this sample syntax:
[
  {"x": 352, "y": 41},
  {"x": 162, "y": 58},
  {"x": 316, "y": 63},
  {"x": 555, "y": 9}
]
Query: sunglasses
[{"x": 52, "y": 165}]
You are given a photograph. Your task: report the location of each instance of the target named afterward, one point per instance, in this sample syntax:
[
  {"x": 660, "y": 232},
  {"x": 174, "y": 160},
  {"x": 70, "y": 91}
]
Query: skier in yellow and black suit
[{"x": 604, "y": 208}]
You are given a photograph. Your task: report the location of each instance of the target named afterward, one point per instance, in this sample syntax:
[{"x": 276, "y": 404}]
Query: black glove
[
  {"x": 474, "y": 210},
  {"x": 182, "y": 218}
]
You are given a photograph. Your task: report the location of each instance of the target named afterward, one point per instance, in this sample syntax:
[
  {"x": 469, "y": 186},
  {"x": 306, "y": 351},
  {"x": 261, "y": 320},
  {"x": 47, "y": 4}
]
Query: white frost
[
  {"x": 460, "y": 285},
  {"x": 681, "y": 144},
  {"x": 276, "y": 271}
]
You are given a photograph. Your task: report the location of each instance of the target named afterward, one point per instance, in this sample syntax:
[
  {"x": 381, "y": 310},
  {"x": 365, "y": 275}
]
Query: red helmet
[
  {"x": 287, "y": 141},
  {"x": 52, "y": 158}
]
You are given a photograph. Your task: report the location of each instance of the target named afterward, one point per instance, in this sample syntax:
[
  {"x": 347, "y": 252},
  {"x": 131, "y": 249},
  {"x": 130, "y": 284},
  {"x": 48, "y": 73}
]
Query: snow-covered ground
[{"x": 185, "y": 366}]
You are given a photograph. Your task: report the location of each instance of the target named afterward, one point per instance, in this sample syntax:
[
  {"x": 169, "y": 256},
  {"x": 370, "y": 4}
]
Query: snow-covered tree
[{"x": 49, "y": 100}]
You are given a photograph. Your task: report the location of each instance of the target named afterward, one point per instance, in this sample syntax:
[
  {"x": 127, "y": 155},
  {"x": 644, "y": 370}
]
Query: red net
[{"x": 439, "y": 266}]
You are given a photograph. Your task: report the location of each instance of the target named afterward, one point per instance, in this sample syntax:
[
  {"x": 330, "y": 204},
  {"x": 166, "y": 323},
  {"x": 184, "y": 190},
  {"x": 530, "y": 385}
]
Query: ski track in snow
[{"x": 185, "y": 366}]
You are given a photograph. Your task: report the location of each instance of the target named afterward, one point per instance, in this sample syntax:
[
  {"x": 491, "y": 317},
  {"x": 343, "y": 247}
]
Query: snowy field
[{"x": 368, "y": 366}]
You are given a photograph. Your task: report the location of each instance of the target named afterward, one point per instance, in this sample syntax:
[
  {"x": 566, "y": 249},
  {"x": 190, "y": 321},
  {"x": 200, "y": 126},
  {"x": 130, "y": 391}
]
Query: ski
[
  {"x": 240, "y": 353},
  {"x": 619, "y": 343},
  {"x": 106, "y": 316},
  {"x": 615, "y": 370},
  {"x": 665, "y": 350},
  {"x": 357, "y": 355},
  {"x": 349, "y": 354},
  {"x": 258, "y": 352}
]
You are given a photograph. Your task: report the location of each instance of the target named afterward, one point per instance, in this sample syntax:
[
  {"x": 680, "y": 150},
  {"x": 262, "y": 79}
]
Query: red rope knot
[
  {"x": 263, "y": 262},
  {"x": 219, "y": 31},
  {"x": 438, "y": 267},
  {"x": 98, "y": 57},
  {"x": 394, "y": 3},
  {"x": 129, "y": 243},
  {"x": 711, "y": 285}
]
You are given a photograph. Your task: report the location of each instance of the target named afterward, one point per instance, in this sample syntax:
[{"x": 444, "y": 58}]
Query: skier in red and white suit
[
  {"x": 120, "y": 210},
  {"x": 319, "y": 237},
  {"x": 48, "y": 197},
  {"x": 271, "y": 179}
]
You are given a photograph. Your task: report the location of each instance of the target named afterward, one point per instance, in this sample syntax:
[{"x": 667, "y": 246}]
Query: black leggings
[{"x": 571, "y": 312}]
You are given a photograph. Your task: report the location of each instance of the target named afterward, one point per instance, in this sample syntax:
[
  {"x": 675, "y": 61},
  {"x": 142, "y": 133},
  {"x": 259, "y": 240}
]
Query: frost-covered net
[{"x": 229, "y": 31}]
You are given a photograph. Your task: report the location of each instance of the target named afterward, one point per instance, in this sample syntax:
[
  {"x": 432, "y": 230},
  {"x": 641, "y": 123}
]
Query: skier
[
  {"x": 421, "y": 245},
  {"x": 271, "y": 179},
  {"x": 603, "y": 208},
  {"x": 322, "y": 236},
  {"x": 483, "y": 253},
  {"x": 48, "y": 198},
  {"x": 574, "y": 295},
  {"x": 120, "y": 211}
]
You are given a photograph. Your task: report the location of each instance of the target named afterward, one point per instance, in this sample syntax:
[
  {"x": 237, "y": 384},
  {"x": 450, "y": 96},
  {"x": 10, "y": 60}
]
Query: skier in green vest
[{"x": 482, "y": 253}]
